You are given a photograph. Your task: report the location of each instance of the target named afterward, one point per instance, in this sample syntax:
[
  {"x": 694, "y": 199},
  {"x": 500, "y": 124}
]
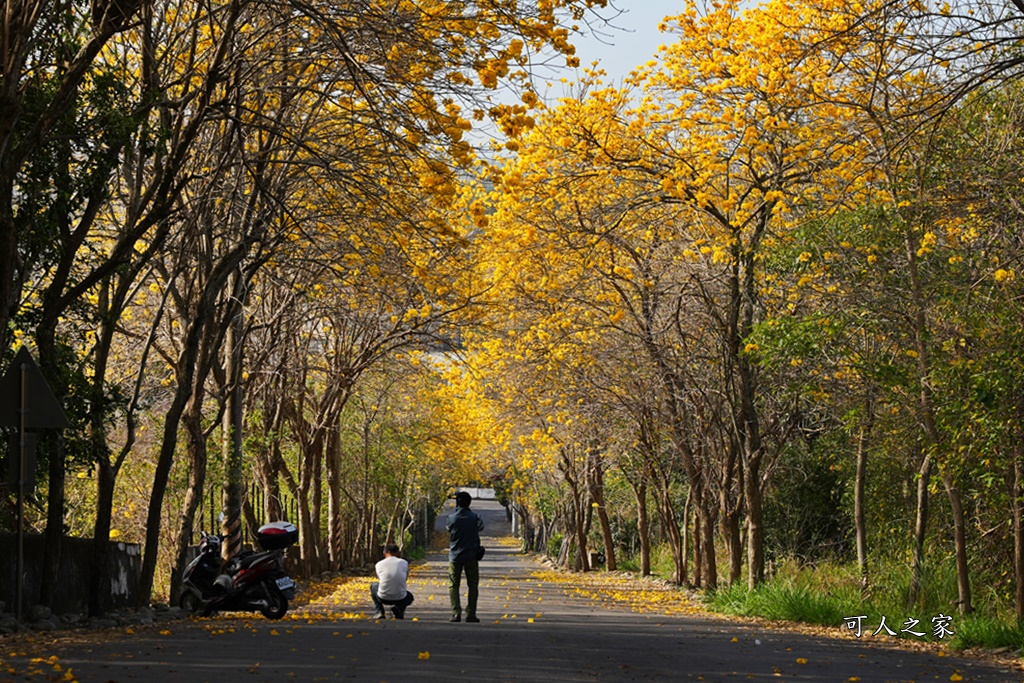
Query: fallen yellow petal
[{"x": 424, "y": 655}]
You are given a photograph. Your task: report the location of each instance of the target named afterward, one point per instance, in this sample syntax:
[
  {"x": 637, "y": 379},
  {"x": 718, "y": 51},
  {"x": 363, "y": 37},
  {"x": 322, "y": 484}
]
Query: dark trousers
[
  {"x": 455, "y": 569},
  {"x": 397, "y": 606}
]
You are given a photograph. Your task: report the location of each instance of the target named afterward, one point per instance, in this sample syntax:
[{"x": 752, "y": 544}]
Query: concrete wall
[
  {"x": 478, "y": 493},
  {"x": 72, "y": 592}
]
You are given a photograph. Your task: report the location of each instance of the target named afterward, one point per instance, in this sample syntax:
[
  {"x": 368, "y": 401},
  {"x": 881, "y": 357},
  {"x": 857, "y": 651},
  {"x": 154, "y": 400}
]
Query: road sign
[
  {"x": 41, "y": 408},
  {"x": 26, "y": 402}
]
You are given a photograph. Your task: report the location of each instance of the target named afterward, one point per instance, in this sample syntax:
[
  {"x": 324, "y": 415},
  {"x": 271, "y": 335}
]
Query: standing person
[
  {"x": 393, "y": 573},
  {"x": 464, "y": 527}
]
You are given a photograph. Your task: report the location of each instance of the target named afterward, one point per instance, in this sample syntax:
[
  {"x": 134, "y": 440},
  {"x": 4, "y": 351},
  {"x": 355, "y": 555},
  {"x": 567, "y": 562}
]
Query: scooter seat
[{"x": 254, "y": 558}]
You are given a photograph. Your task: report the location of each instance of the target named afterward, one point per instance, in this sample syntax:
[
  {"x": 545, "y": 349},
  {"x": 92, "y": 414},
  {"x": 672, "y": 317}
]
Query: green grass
[
  {"x": 828, "y": 594},
  {"x": 988, "y": 632},
  {"x": 661, "y": 562},
  {"x": 786, "y": 602},
  {"x": 629, "y": 564}
]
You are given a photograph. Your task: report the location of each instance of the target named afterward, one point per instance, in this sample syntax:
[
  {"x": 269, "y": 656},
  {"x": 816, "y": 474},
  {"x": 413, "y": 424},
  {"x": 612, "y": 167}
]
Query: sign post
[{"x": 26, "y": 402}]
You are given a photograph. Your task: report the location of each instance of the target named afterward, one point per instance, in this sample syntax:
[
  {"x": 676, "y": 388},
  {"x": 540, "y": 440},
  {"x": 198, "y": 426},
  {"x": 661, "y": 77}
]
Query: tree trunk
[
  {"x": 54, "y": 540},
  {"x": 161, "y": 475},
  {"x": 606, "y": 535},
  {"x": 232, "y": 427},
  {"x": 273, "y": 505},
  {"x": 687, "y": 541},
  {"x": 706, "y": 518},
  {"x": 926, "y": 408},
  {"x": 311, "y": 451},
  {"x": 187, "y": 374},
  {"x": 334, "y": 499},
  {"x": 643, "y": 525},
  {"x": 920, "y": 530},
  {"x": 595, "y": 479},
  {"x": 317, "y": 511},
  {"x": 755, "y": 515},
  {"x": 11, "y": 275},
  {"x": 734, "y": 542},
  {"x": 858, "y": 510},
  {"x": 576, "y": 513},
  {"x": 582, "y": 560},
  {"x": 307, "y": 535},
  {"x": 197, "y": 461},
  {"x": 99, "y": 580},
  {"x": 1017, "y": 504},
  {"x": 106, "y": 471},
  {"x": 698, "y": 548},
  {"x": 673, "y": 533},
  {"x": 730, "y": 520},
  {"x": 963, "y": 581},
  {"x": 741, "y": 315}
]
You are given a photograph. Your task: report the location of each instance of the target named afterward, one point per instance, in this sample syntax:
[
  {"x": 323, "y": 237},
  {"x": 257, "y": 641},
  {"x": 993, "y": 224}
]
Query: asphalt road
[{"x": 530, "y": 631}]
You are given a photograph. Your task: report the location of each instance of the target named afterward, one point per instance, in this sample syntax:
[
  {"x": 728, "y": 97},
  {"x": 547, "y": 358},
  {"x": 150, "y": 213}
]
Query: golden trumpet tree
[
  {"x": 750, "y": 129},
  {"x": 584, "y": 279},
  {"x": 781, "y": 178},
  {"x": 239, "y": 112},
  {"x": 897, "y": 84},
  {"x": 740, "y": 134}
]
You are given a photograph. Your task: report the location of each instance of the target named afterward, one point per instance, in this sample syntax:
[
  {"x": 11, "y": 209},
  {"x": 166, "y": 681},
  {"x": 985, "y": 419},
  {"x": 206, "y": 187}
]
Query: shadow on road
[{"x": 533, "y": 629}]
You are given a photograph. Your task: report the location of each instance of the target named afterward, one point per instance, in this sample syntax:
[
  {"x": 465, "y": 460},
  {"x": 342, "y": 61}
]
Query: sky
[{"x": 631, "y": 38}]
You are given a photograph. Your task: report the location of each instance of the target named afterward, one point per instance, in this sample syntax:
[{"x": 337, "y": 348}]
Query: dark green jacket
[{"x": 464, "y": 527}]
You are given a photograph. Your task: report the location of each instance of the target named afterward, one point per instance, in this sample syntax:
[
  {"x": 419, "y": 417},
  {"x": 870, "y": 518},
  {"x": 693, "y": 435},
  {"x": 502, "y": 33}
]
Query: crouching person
[{"x": 393, "y": 573}]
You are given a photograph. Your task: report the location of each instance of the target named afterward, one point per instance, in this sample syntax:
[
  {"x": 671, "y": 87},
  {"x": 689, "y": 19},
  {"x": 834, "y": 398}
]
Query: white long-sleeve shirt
[{"x": 393, "y": 573}]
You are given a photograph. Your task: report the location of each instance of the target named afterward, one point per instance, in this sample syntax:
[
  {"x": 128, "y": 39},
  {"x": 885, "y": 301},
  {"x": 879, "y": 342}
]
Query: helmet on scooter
[{"x": 210, "y": 544}]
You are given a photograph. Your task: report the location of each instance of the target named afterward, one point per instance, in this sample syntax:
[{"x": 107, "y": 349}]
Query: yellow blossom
[{"x": 1003, "y": 275}]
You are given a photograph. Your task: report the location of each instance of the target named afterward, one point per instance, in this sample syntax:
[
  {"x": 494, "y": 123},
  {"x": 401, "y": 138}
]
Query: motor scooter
[{"x": 249, "y": 581}]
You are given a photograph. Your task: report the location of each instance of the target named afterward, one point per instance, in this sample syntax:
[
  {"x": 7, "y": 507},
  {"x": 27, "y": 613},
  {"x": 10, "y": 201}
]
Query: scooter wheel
[
  {"x": 190, "y": 602},
  {"x": 277, "y": 605}
]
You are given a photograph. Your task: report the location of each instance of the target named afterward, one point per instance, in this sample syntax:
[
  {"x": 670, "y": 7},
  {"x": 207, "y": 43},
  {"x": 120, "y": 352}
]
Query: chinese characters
[{"x": 942, "y": 626}]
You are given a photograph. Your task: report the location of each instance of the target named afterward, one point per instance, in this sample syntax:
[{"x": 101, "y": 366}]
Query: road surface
[{"x": 533, "y": 629}]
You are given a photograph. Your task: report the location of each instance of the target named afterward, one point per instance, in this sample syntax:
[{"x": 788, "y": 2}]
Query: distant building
[{"x": 477, "y": 493}]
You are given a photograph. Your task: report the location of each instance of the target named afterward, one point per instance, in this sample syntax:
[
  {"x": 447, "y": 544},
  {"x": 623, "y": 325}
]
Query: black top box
[{"x": 277, "y": 535}]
